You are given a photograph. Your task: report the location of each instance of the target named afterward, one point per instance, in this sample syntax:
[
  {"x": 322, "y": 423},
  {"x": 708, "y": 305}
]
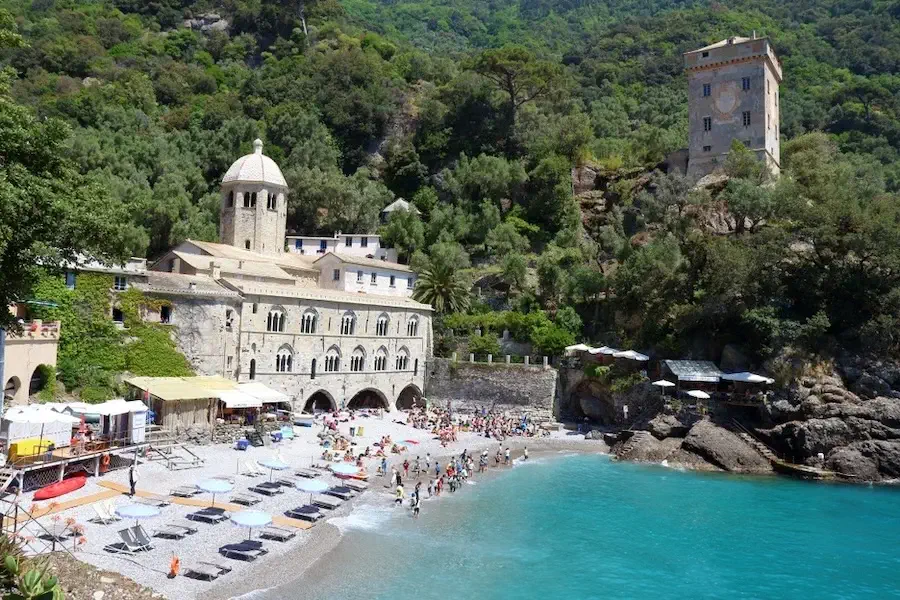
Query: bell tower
[{"x": 253, "y": 213}]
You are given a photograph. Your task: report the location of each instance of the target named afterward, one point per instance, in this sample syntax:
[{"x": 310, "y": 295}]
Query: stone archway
[
  {"x": 368, "y": 398},
  {"x": 11, "y": 389},
  {"x": 39, "y": 379},
  {"x": 319, "y": 401},
  {"x": 409, "y": 397}
]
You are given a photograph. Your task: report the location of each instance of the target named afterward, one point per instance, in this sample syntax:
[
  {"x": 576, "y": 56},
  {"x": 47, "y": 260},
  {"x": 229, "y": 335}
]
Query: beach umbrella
[
  {"x": 313, "y": 486},
  {"x": 663, "y": 384},
  {"x": 137, "y": 511},
  {"x": 215, "y": 486},
  {"x": 273, "y": 464},
  {"x": 700, "y": 394},
  {"x": 344, "y": 469},
  {"x": 746, "y": 377},
  {"x": 251, "y": 519}
]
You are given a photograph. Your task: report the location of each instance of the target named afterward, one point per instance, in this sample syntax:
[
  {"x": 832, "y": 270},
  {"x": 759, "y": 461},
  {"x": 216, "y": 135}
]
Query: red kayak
[{"x": 69, "y": 484}]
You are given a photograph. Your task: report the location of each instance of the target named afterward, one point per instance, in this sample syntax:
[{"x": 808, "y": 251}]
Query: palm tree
[{"x": 444, "y": 288}]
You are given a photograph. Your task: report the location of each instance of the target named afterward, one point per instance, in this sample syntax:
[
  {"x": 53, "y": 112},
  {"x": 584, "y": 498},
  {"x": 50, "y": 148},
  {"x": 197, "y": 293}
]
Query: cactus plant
[{"x": 22, "y": 580}]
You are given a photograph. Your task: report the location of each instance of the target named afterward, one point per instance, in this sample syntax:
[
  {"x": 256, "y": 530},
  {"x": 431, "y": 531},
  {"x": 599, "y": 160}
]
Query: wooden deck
[{"x": 48, "y": 507}]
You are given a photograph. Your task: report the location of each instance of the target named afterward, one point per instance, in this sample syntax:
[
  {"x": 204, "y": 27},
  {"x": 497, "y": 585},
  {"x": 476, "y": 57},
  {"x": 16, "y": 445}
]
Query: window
[
  {"x": 312, "y": 369},
  {"x": 416, "y": 367},
  {"x": 707, "y": 90},
  {"x": 272, "y": 201},
  {"x": 70, "y": 279},
  {"x": 349, "y": 242},
  {"x": 323, "y": 245},
  {"x": 246, "y": 244},
  {"x": 374, "y": 279},
  {"x": 393, "y": 281},
  {"x": 308, "y": 321},
  {"x": 409, "y": 283},
  {"x": 381, "y": 326},
  {"x": 336, "y": 276},
  {"x": 230, "y": 363},
  {"x": 172, "y": 266},
  {"x": 252, "y": 368},
  {"x": 120, "y": 283},
  {"x": 706, "y": 55},
  {"x": 348, "y": 324},
  {"x": 359, "y": 277},
  {"x": 707, "y": 148},
  {"x": 332, "y": 360},
  {"x": 746, "y": 117},
  {"x": 768, "y": 91},
  {"x": 229, "y": 319},
  {"x": 230, "y": 201},
  {"x": 412, "y": 327},
  {"x": 253, "y": 200},
  {"x": 381, "y": 359},
  {"x": 364, "y": 242},
  {"x": 275, "y": 321},
  {"x": 165, "y": 314},
  {"x": 745, "y": 83},
  {"x": 284, "y": 360},
  {"x": 117, "y": 315},
  {"x": 255, "y": 306},
  {"x": 401, "y": 363},
  {"x": 707, "y": 123},
  {"x": 358, "y": 360},
  {"x": 298, "y": 244},
  {"x": 246, "y": 200}
]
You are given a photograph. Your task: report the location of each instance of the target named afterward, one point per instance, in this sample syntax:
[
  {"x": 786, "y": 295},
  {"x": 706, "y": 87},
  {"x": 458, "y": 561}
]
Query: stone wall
[{"x": 469, "y": 387}]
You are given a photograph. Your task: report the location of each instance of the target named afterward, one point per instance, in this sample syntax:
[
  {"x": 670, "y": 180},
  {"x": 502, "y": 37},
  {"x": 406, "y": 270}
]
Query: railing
[
  {"x": 745, "y": 430},
  {"x": 78, "y": 451},
  {"x": 37, "y": 329}
]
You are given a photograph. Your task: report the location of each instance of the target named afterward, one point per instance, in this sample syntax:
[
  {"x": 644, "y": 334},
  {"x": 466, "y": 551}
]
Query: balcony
[{"x": 36, "y": 330}]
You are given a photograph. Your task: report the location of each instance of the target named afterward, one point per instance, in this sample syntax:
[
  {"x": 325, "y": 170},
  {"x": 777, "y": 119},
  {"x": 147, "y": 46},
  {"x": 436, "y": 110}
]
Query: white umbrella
[
  {"x": 215, "y": 486},
  {"x": 663, "y": 383},
  {"x": 698, "y": 394},
  {"x": 251, "y": 519},
  {"x": 313, "y": 486},
  {"x": 578, "y": 348},
  {"x": 746, "y": 377}
]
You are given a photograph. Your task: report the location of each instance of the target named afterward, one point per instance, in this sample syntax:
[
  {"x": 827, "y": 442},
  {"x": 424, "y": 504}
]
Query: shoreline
[{"x": 325, "y": 541}]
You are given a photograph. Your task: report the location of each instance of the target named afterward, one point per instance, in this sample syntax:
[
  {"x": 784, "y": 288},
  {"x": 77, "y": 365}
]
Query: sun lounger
[
  {"x": 245, "y": 550},
  {"x": 222, "y": 568},
  {"x": 200, "y": 571},
  {"x": 307, "y": 512},
  {"x": 128, "y": 545},
  {"x": 141, "y": 536},
  {"x": 210, "y": 515},
  {"x": 57, "y": 531},
  {"x": 187, "y": 526},
  {"x": 356, "y": 486},
  {"x": 157, "y": 500},
  {"x": 308, "y": 473},
  {"x": 267, "y": 488},
  {"x": 245, "y": 499},
  {"x": 184, "y": 491},
  {"x": 280, "y": 534},
  {"x": 251, "y": 469},
  {"x": 171, "y": 532},
  {"x": 329, "y": 502},
  {"x": 103, "y": 516},
  {"x": 344, "y": 493},
  {"x": 227, "y": 478},
  {"x": 287, "y": 481}
]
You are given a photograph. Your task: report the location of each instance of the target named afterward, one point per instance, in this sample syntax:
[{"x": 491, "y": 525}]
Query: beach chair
[
  {"x": 245, "y": 499},
  {"x": 342, "y": 492},
  {"x": 287, "y": 481},
  {"x": 210, "y": 515},
  {"x": 200, "y": 571},
  {"x": 245, "y": 550},
  {"x": 103, "y": 517},
  {"x": 251, "y": 469},
  {"x": 307, "y": 512},
  {"x": 267, "y": 488},
  {"x": 227, "y": 478},
  {"x": 141, "y": 536},
  {"x": 184, "y": 491},
  {"x": 287, "y": 432},
  {"x": 128, "y": 545},
  {"x": 355, "y": 485},
  {"x": 222, "y": 568},
  {"x": 188, "y": 527},
  {"x": 329, "y": 502},
  {"x": 279, "y": 534},
  {"x": 307, "y": 473},
  {"x": 157, "y": 500},
  {"x": 170, "y": 532},
  {"x": 57, "y": 532}
]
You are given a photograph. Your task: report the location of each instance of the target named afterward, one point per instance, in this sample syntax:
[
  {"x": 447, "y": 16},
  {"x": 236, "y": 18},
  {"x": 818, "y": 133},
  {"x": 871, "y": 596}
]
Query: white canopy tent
[
  {"x": 237, "y": 399},
  {"x": 699, "y": 394},
  {"x": 745, "y": 377},
  {"x": 577, "y": 348},
  {"x": 36, "y": 421},
  {"x": 631, "y": 355},
  {"x": 604, "y": 350},
  {"x": 263, "y": 393}
]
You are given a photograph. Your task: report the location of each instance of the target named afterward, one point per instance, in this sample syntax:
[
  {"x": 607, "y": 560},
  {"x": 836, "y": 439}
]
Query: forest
[{"x": 119, "y": 118}]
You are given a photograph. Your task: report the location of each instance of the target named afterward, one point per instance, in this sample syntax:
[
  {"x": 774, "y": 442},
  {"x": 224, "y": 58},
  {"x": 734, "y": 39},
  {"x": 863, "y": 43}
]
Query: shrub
[{"x": 484, "y": 344}]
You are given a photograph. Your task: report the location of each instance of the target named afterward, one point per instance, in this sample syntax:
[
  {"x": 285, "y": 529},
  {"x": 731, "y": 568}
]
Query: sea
[{"x": 584, "y": 526}]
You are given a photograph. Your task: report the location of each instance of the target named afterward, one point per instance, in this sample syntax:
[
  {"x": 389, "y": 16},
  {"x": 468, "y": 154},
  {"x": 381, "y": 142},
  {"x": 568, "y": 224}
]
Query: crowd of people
[{"x": 497, "y": 425}]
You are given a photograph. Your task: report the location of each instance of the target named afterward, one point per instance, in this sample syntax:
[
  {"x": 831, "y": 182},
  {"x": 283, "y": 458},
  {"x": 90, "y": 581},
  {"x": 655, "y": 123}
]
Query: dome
[{"x": 255, "y": 168}]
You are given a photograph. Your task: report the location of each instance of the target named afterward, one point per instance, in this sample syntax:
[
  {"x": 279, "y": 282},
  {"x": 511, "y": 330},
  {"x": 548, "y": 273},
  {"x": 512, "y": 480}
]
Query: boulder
[
  {"x": 665, "y": 426},
  {"x": 643, "y": 447},
  {"x": 852, "y": 462},
  {"x": 870, "y": 386},
  {"x": 868, "y": 460},
  {"x": 724, "y": 449}
]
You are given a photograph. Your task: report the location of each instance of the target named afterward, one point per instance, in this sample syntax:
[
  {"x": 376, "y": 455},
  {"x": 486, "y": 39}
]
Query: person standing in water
[
  {"x": 525, "y": 453},
  {"x": 399, "y": 498},
  {"x": 506, "y": 456}
]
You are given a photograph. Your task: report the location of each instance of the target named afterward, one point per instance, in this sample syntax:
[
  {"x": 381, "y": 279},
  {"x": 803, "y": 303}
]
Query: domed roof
[{"x": 255, "y": 168}]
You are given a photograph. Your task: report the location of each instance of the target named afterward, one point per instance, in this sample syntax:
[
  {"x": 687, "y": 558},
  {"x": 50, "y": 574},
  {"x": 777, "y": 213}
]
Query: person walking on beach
[
  {"x": 506, "y": 457},
  {"x": 427, "y": 461},
  {"x": 132, "y": 480},
  {"x": 416, "y": 503},
  {"x": 406, "y": 468},
  {"x": 431, "y": 488},
  {"x": 497, "y": 457},
  {"x": 417, "y": 468},
  {"x": 399, "y": 498},
  {"x": 384, "y": 466},
  {"x": 393, "y": 476},
  {"x": 399, "y": 480}
]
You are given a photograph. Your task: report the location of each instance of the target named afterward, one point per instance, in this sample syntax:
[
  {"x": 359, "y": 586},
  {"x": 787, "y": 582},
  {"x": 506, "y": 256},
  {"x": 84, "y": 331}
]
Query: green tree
[
  {"x": 505, "y": 239},
  {"x": 444, "y": 288},
  {"x": 514, "y": 271},
  {"x": 405, "y": 232}
]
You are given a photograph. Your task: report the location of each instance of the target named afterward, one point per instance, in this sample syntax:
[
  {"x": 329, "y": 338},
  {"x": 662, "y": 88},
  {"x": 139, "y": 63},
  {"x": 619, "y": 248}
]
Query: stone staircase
[
  {"x": 636, "y": 435},
  {"x": 764, "y": 450}
]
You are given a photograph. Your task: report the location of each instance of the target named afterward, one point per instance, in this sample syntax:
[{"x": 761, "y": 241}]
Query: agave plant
[{"x": 25, "y": 580}]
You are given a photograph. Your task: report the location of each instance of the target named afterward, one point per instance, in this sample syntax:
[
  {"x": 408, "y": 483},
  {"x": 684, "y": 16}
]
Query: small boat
[{"x": 69, "y": 484}]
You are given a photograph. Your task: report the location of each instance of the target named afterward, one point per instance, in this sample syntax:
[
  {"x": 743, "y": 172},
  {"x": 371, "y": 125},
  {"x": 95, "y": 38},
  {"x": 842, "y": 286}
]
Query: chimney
[{"x": 215, "y": 270}]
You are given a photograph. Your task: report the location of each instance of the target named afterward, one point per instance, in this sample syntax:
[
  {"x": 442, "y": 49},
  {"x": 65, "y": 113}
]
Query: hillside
[{"x": 362, "y": 101}]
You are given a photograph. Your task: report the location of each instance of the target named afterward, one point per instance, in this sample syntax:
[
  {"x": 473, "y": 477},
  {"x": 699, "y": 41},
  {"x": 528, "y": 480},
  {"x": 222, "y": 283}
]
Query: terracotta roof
[
  {"x": 255, "y": 268},
  {"x": 366, "y": 262},
  {"x": 255, "y": 168},
  {"x": 179, "y": 284},
  {"x": 324, "y": 294},
  {"x": 290, "y": 259}
]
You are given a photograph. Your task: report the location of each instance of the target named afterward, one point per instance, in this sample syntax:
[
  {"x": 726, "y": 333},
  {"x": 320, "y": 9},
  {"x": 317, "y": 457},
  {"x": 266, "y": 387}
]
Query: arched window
[
  {"x": 412, "y": 326},
  {"x": 416, "y": 367},
  {"x": 254, "y": 308},
  {"x": 358, "y": 359},
  {"x": 284, "y": 359},
  {"x": 252, "y": 368},
  {"x": 247, "y": 244},
  {"x": 312, "y": 369},
  {"x": 309, "y": 321},
  {"x": 253, "y": 200},
  {"x": 381, "y": 325},
  {"x": 381, "y": 359},
  {"x": 272, "y": 201},
  {"x": 348, "y": 323},
  {"x": 333, "y": 360},
  {"x": 401, "y": 363},
  {"x": 275, "y": 320},
  {"x": 230, "y": 202},
  {"x": 246, "y": 200}
]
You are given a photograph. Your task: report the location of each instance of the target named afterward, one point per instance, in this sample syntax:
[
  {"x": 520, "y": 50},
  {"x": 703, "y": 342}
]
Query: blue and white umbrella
[
  {"x": 273, "y": 464},
  {"x": 137, "y": 511},
  {"x": 344, "y": 469},
  {"x": 251, "y": 519},
  {"x": 313, "y": 486},
  {"x": 215, "y": 486}
]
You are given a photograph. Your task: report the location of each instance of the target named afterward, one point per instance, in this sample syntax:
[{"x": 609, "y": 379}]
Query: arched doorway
[
  {"x": 320, "y": 401},
  {"x": 11, "y": 389},
  {"x": 368, "y": 398},
  {"x": 410, "y": 396},
  {"x": 39, "y": 379}
]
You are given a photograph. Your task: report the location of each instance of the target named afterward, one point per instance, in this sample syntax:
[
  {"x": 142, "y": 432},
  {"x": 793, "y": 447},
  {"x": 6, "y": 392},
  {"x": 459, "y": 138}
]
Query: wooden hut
[{"x": 179, "y": 402}]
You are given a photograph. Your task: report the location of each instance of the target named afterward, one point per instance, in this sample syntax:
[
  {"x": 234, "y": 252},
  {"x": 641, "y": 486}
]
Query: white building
[
  {"x": 359, "y": 245},
  {"x": 302, "y": 324}
]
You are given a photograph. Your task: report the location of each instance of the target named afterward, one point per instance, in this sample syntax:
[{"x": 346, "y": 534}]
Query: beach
[{"x": 284, "y": 561}]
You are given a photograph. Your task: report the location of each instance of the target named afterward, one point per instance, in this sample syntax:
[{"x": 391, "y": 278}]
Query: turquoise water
[{"x": 584, "y": 527}]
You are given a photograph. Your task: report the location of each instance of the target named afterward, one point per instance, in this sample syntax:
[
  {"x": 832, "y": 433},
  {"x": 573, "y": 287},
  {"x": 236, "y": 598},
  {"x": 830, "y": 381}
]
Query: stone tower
[
  {"x": 254, "y": 204},
  {"x": 733, "y": 95}
]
